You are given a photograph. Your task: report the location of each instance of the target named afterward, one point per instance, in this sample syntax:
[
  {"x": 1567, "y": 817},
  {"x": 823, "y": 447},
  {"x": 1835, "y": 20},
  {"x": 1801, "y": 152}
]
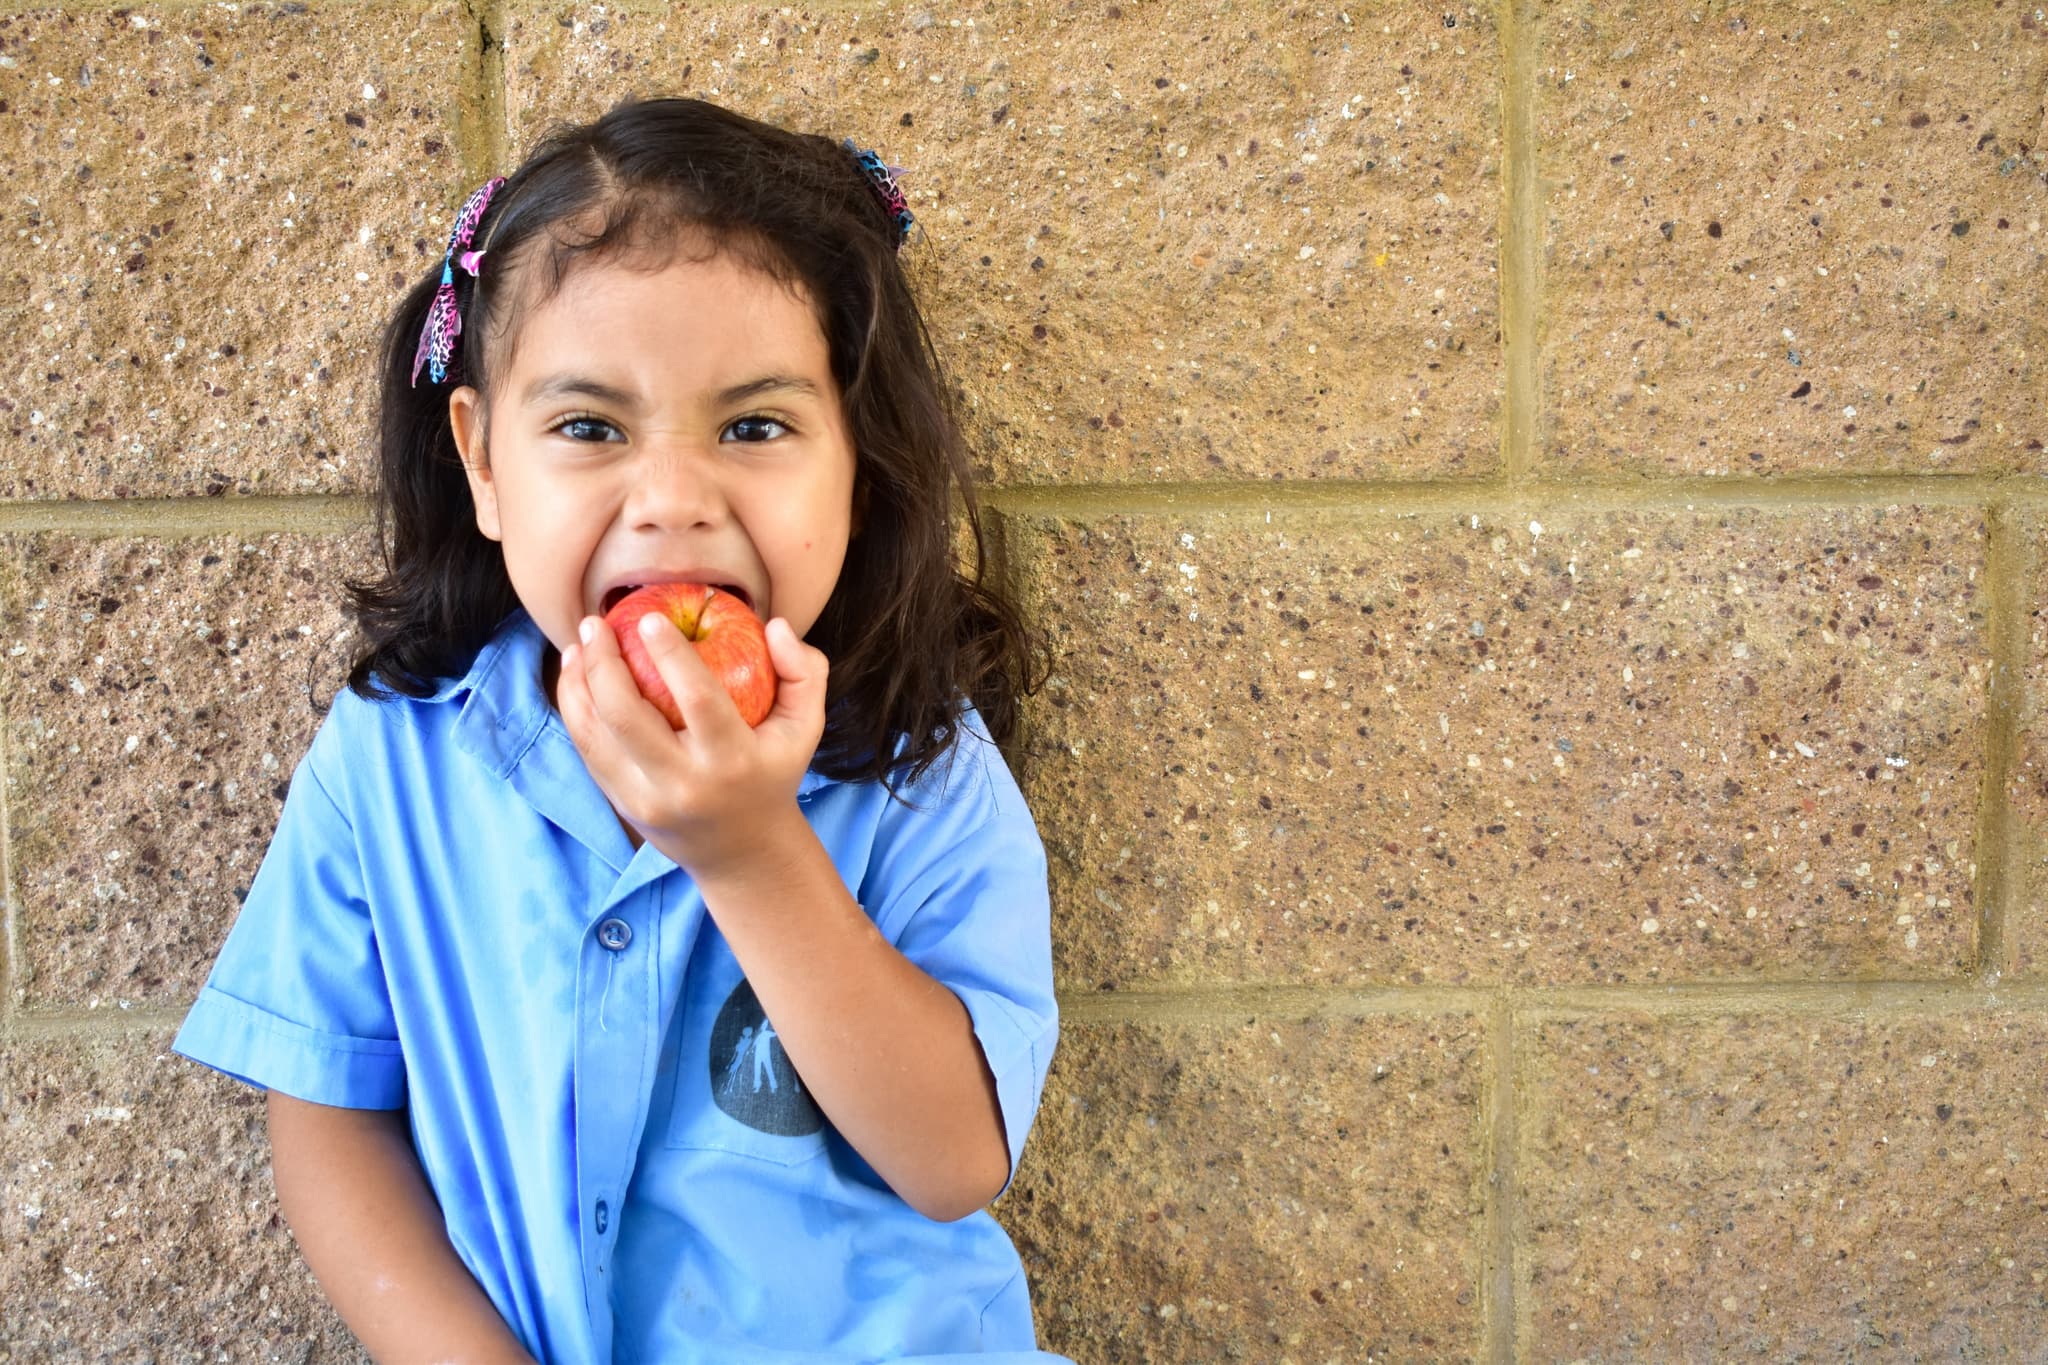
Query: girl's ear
[{"x": 466, "y": 420}]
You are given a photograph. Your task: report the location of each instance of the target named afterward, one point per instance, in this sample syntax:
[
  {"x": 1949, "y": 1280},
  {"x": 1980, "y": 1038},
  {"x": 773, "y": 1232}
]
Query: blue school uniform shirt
[{"x": 450, "y": 919}]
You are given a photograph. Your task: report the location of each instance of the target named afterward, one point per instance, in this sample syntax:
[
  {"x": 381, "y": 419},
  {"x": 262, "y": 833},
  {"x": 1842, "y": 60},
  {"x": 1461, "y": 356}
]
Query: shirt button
[
  {"x": 604, "y": 1215},
  {"x": 615, "y": 934}
]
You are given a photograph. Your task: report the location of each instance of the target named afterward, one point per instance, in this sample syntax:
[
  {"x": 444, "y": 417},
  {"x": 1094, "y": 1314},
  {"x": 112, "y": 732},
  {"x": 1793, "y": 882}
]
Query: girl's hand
[{"x": 704, "y": 794}]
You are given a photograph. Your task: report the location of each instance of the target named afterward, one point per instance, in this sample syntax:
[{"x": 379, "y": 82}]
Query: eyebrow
[
  {"x": 767, "y": 383},
  {"x": 561, "y": 385}
]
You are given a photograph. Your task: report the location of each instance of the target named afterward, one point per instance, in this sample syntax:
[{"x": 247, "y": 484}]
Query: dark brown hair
[{"x": 907, "y": 631}]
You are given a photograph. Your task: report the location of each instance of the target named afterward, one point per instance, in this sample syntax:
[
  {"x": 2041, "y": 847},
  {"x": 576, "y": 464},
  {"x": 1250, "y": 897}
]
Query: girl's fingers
[
  {"x": 615, "y": 698},
  {"x": 707, "y": 711},
  {"x": 579, "y": 712},
  {"x": 800, "y": 670},
  {"x": 612, "y": 761}
]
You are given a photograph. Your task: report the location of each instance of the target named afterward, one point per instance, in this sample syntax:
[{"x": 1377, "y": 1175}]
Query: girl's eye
[
  {"x": 585, "y": 429},
  {"x": 755, "y": 429}
]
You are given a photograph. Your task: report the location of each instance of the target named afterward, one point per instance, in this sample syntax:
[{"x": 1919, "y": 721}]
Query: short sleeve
[
  {"x": 971, "y": 908},
  {"x": 297, "y": 1001}
]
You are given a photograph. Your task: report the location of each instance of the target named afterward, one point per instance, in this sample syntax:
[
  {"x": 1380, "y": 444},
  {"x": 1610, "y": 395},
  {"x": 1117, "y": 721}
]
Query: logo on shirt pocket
[
  {"x": 750, "y": 1075},
  {"x": 735, "y": 1090}
]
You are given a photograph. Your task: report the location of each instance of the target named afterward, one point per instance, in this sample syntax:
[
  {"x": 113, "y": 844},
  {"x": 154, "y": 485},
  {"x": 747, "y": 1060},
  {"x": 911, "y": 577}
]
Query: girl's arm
[
  {"x": 358, "y": 1204},
  {"x": 887, "y": 1052}
]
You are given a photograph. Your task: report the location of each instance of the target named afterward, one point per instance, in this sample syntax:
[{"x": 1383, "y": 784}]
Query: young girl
[{"x": 588, "y": 1039}]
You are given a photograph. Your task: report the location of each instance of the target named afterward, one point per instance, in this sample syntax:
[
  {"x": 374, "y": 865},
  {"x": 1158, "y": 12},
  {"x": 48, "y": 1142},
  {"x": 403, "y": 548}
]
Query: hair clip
[
  {"x": 882, "y": 180},
  {"x": 444, "y": 320}
]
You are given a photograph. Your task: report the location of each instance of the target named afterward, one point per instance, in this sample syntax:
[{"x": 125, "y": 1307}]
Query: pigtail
[{"x": 440, "y": 586}]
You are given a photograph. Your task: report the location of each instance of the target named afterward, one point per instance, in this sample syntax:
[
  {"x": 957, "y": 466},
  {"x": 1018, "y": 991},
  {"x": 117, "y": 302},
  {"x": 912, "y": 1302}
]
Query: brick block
[
  {"x": 1784, "y": 1187},
  {"x": 157, "y": 696},
  {"x": 139, "y": 1219},
  {"x": 1257, "y": 1189},
  {"x": 212, "y": 211},
  {"x": 1623, "y": 746},
  {"x": 1805, "y": 239},
  {"x": 1161, "y": 241}
]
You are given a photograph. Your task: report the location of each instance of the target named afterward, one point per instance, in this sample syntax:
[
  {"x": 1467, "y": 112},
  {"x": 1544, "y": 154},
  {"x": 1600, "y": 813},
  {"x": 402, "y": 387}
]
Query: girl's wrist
[{"x": 772, "y": 853}]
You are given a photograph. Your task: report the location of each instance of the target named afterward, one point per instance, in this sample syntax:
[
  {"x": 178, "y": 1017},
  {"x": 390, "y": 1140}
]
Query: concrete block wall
[{"x": 1537, "y": 510}]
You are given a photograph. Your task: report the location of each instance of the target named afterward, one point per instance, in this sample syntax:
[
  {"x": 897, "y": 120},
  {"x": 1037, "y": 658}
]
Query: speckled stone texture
[
  {"x": 210, "y": 211},
  {"x": 2026, "y": 792},
  {"x": 1635, "y": 746},
  {"x": 1160, "y": 241},
  {"x": 139, "y": 1221},
  {"x": 1803, "y": 237},
  {"x": 1257, "y": 1189},
  {"x": 157, "y": 696},
  {"x": 1785, "y": 1187}
]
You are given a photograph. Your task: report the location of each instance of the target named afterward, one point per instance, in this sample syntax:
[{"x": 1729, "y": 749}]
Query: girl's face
[{"x": 680, "y": 425}]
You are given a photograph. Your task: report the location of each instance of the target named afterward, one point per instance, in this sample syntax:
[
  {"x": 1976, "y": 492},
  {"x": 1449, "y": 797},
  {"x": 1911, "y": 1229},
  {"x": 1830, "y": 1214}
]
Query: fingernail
[
  {"x": 648, "y": 625},
  {"x": 586, "y": 629}
]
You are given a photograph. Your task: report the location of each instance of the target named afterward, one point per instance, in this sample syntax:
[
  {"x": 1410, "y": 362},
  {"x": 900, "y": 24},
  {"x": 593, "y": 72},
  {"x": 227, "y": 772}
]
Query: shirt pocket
[{"x": 735, "y": 1090}]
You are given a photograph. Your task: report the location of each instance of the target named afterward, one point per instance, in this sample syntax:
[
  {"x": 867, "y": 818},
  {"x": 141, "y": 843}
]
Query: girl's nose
[{"x": 673, "y": 491}]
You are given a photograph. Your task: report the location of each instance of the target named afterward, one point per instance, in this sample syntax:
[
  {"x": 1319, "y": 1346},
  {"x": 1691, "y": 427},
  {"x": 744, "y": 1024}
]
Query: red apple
[{"x": 728, "y": 636}]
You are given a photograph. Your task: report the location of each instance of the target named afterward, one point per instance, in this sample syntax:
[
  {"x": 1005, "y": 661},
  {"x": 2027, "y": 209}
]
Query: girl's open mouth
[{"x": 614, "y": 596}]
